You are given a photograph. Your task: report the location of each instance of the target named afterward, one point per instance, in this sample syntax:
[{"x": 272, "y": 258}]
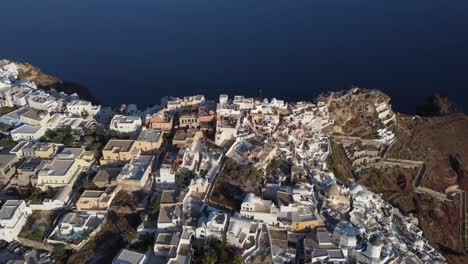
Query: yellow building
[
  {"x": 44, "y": 150},
  {"x": 64, "y": 167},
  {"x": 305, "y": 219},
  {"x": 117, "y": 151},
  {"x": 58, "y": 172},
  {"x": 94, "y": 200},
  {"x": 149, "y": 141}
]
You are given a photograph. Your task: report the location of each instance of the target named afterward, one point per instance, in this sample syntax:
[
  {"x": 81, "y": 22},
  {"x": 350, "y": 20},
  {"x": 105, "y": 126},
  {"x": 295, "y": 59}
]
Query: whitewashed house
[
  {"x": 125, "y": 124},
  {"x": 255, "y": 208},
  {"x": 13, "y": 216},
  {"x": 126, "y": 256},
  {"x": 166, "y": 174},
  {"x": 81, "y": 107},
  {"x": 214, "y": 226},
  {"x": 240, "y": 231},
  {"x": 27, "y": 132},
  {"x": 135, "y": 174}
]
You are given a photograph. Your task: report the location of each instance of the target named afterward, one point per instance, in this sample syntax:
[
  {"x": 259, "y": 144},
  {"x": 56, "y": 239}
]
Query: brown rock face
[
  {"x": 440, "y": 140},
  {"x": 32, "y": 73},
  {"x": 354, "y": 111},
  {"x": 46, "y": 82}
]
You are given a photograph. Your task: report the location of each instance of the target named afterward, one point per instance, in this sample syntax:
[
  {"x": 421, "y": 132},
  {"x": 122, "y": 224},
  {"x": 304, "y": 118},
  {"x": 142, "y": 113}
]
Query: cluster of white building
[
  {"x": 303, "y": 207},
  {"x": 13, "y": 216},
  {"x": 43, "y": 166},
  {"x": 36, "y": 110},
  {"x": 367, "y": 229},
  {"x": 337, "y": 223}
]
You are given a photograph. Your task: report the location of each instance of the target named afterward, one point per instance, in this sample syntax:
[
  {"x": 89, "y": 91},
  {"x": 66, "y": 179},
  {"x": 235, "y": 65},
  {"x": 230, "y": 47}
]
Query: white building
[
  {"x": 386, "y": 136},
  {"x": 125, "y": 124},
  {"x": 166, "y": 174},
  {"x": 75, "y": 225},
  {"x": 255, "y": 208},
  {"x": 223, "y": 98},
  {"x": 275, "y": 103},
  {"x": 8, "y": 68},
  {"x": 126, "y": 256},
  {"x": 240, "y": 231},
  {"x": 17, "y": 96},
  {"x": 59, "y": 120},
  {"x": 226, "y": 129},
  {"x": 175, "y": 102},
  {"x": 373, "y": 251},
  {"x": 13, "y": 118},
  {"x": 225, "y": 108},
  {"x": 166, "y": 244},
  {"x": 198, "y": 186},
  {"x": 80, "y": 107},
  {"x": 13, "y": 216},
  {"x": 60, "y": 200},
  {"x": 135, "y": 174},
  {"x": 190, "y": 159},
  {"x": 243, "y": 102},
  {"x": 345, "y": 235},
  {"x": 42, "y": 101},
  {"x": 27, "y": 132},
  {"x": 214, "y": 226},
  {"x": 384, "y": 112},
  {"x": 34, "y": 117}
]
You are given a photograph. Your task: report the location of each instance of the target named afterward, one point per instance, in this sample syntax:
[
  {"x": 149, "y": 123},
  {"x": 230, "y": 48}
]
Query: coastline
[
  {"x": 47, "y": 82},
  {"x": 354, "y": 113},
  {"x": 429, "y": 105}
]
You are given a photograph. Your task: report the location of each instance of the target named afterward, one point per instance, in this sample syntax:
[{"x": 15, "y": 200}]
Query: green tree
[
  {"x": 155, "y": 206},
  {"x": 60, "y": 253},
  {"x": 62, "y": 135}
]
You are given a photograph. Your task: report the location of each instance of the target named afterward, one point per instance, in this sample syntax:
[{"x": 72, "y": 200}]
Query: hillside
[
  {"x": 440, "y": 141},
  {"x": 354, "y": 111}
]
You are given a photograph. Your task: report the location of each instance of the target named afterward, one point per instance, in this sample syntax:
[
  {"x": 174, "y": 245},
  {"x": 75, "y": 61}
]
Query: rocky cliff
[
  {"x": 46, "y": 81},
  {"x": 32, "y": 73},
  {"x": 440, "y": 141},
  {"x": 354, "y": 111}
]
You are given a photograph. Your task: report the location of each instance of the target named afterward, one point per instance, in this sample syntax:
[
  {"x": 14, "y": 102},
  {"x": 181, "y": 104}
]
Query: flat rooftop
[
  {"x": 149, "y": 136},
  {"x": 135, "y": 170},
  {"x": 32, "y": 164},
  {"x": 92, "y": 194},
  {"x": 128, "y": 257},
  {"x": 168, "y": 239},
  {"x": 9, "y": 209},
  {"x": 119, "y": 145},
  {"x": 171, "y": 197},
  {"x": 6, "y": 159},
  {"x": 70, "y": 153},
  {"x": 56, "y": 167},
  {"x": 26, "y": 129},
  {"x": 106, "y": 174}
]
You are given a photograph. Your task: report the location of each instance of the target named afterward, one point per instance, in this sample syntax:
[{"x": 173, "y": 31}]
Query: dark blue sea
[{"x": 136, "y": 51}]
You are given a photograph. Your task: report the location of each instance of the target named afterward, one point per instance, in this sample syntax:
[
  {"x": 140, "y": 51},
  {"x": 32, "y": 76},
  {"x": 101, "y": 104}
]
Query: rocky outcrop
[
  {"x": 46, "y": 82},
  {"x": 439, "y": 140},
  {"x": 358, "y": 112},
  {"x": 32, "y": 73}
]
